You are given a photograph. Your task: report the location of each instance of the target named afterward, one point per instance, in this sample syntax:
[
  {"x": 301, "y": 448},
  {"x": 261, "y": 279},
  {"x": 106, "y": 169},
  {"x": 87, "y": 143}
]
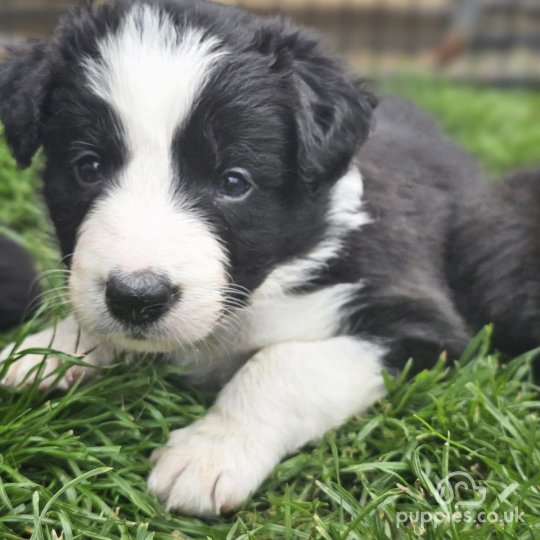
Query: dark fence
[{"x": 494, "y": 41}]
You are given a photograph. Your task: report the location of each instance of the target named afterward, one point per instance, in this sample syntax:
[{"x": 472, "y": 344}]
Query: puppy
[{"x": 205, "y": 176}]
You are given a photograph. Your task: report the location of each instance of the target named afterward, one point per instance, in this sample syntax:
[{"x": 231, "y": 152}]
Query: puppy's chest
[{"x": 272, "y": 317}]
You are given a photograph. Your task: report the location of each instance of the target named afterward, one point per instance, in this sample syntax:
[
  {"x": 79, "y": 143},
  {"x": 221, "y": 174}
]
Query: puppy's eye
[
  {"x": 88, "y": 169},
  {"x": 235, "y": 184}
]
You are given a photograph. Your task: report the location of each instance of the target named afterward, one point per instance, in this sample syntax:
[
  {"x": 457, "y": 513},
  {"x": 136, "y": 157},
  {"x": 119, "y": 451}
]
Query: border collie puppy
[{"x": 206, "y": 182}]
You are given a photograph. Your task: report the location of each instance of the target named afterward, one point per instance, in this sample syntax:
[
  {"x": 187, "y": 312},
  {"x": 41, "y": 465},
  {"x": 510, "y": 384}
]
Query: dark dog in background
[{"x": 18, "y": 286}]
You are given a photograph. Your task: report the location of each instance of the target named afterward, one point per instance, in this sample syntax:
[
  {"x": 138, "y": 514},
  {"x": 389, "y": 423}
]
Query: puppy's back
[
  {"x": 495, "y": 255},
  {"x": 408, "y": 140}
]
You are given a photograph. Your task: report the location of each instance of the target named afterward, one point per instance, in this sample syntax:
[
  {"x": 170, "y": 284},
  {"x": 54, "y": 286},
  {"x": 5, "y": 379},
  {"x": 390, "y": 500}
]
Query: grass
[{"x": 74, "y": 465}]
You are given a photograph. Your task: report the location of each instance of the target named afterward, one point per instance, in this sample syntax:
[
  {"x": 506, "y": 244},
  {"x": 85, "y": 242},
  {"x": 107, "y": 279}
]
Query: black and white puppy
[{"x": 204, "y": 177}]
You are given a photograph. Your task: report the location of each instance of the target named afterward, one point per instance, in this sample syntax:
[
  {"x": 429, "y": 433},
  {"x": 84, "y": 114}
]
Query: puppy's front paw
[
  {"x": 25, "y": 370},
  {"x": 212, "y": 466},
  {"x": 66, "y": 338}
]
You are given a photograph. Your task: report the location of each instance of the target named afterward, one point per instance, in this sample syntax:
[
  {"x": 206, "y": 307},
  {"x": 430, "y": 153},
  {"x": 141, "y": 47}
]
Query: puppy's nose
[{"x": 139, "y": 298}]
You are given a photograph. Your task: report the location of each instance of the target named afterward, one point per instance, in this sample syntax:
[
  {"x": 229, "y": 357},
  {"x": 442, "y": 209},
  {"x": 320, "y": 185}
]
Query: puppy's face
[{"x": 189, "y": 150}]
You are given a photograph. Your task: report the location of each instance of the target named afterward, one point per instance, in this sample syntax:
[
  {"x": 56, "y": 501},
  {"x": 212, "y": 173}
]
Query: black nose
[{"x": 139, "y": 298}]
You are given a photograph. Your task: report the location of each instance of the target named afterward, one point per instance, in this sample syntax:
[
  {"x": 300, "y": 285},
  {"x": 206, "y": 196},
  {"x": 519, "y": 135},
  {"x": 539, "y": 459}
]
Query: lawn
[{"x": 74, "y": 465}]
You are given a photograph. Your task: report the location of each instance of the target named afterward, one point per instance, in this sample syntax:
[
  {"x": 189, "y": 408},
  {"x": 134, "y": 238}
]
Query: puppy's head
[{"x": 190, "y": 148}]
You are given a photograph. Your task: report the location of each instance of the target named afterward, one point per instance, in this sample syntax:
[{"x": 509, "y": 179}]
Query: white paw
[
  {"x": 25, "y": 370},
  {"x": 65, "y": 338},
  {"x": 211, "y": 467}
]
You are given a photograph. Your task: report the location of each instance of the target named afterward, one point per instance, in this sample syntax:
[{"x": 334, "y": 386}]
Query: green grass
[{"x": 75, "y": 464}]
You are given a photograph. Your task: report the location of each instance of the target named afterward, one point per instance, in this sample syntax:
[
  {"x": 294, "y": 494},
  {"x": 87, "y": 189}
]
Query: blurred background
[
  {"x": 481, "y": 41},
  {"x": 474, "y": 64}
]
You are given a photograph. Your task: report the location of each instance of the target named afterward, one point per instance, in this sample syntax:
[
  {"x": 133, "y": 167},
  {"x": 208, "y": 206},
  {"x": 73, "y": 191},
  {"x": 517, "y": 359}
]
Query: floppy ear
[
  {"x": 333, "y": 110},
  {"x": 24, "y": 77}
]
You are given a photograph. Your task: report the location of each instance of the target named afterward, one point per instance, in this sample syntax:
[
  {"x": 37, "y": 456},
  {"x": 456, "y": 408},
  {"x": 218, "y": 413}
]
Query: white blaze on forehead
[{"x": 152, "y": 73}]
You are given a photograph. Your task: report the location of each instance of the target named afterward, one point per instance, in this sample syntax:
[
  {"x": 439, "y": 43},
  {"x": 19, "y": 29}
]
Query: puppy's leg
[
  {"x": 66, "y": 337},
  {"x": 285, "y": 396}
]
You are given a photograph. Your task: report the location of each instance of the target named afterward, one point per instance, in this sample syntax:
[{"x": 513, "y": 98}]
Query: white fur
[
  {"x": 129, "y": 232},
  {"x": 66, "y": 338},
  {"x": 287, "y": 395},
  {"x": 152, "y": 74},
  {"x": 269, "y": 319}
]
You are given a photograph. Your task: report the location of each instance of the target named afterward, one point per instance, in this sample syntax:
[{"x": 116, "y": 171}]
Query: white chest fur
[
  {"x": 276, "y": 315},
  {"x": 271, "y": 318}
]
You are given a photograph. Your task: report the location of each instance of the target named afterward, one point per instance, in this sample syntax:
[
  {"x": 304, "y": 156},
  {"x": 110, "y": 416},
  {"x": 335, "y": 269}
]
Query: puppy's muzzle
[{"x": 140, "y": 298}]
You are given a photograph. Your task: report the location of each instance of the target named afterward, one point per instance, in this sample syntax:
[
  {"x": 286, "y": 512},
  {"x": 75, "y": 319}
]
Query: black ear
[
  {"x": 333, "y": 109},
  {"x": 24, "y": 77}
]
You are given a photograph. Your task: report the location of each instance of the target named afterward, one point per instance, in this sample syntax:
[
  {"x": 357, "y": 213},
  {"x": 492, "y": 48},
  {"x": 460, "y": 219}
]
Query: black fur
[
  {"x": 415, "y": 183},
  {"x": 23, "y": 86},
  {"x": 18, "y": 287},
  {"x": 494, "y": 261}
]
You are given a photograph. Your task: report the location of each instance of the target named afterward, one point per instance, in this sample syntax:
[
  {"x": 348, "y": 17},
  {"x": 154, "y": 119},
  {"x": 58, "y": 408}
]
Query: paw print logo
[{"x": 457, "y": 483}]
